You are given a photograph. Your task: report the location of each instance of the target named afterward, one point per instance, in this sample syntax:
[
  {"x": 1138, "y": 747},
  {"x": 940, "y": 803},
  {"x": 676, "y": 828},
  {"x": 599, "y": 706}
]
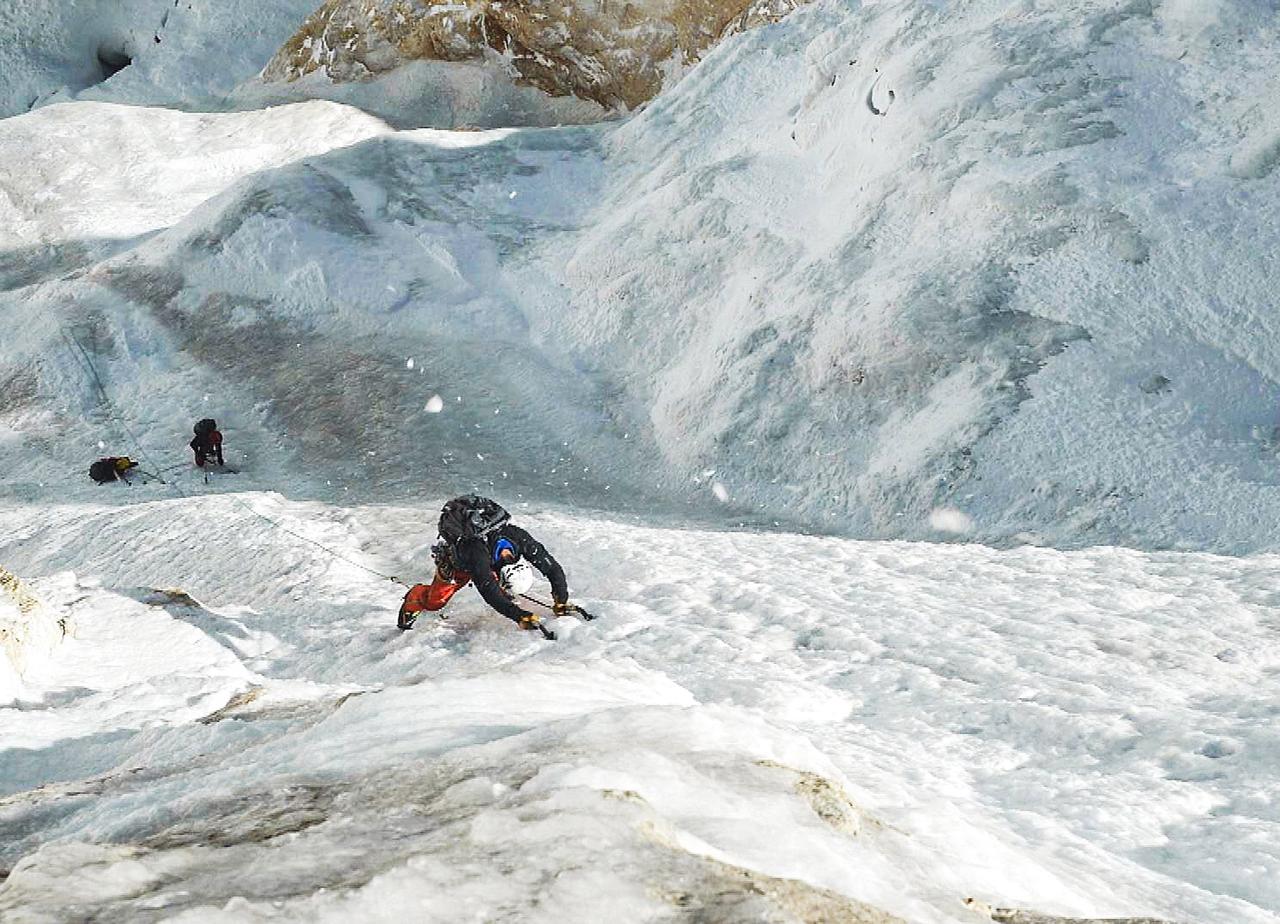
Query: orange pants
[{"x": 433, "y": 596}]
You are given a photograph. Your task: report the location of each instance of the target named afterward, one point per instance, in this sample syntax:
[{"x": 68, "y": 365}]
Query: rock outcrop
[
  {"x": 27, "y": 630},
  {"x": 616, "y": 54}
]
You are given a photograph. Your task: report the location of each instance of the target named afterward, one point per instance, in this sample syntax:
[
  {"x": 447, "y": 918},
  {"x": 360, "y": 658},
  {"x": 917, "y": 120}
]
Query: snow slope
[
  {"x": 1023, "y": 299},
  {"x": 376, "y": 265},
  {"x": 187, "y": 53},
  {"x": 897, "y": 725},
  {"x": 1012, "y": 258},
  {"x": 1033, "y": 287}
]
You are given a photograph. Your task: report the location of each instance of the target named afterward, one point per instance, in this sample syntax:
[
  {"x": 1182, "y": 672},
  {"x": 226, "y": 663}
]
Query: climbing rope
[
  {"x": 105, "y": 400},
  {"x": 335, "y": 554},
  {"x": 107, "y": 403}
]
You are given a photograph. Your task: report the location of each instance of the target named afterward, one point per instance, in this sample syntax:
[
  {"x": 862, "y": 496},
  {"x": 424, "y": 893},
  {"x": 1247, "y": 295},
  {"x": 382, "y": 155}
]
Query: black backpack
[
  {"x": 206, "y": 426},
  {"x": 470, "y": 517},
  {"x": 103, "y": 471}
]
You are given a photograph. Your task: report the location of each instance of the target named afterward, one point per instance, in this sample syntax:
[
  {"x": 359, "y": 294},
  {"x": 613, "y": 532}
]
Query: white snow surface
[
  {"x": 1012, "y": 259},
  {"x": 185, "y": 53},
  {"x": 1025, "y": 299},
  {"x": 1078, "y": 732},
  {"x": 1032, "y": 287},
  {"x": 207, "y": 55}
]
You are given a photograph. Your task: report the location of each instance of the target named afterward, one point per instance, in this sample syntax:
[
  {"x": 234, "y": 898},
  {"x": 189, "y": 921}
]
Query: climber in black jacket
[{"x": 478, "y": 544}]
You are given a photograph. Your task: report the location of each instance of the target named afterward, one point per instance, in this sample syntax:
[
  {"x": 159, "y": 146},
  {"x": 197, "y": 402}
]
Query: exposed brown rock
[
  {"x": 829, "y": 801},
  {"x": 616, "y": 53},
  {"x": 710, "y": 891},
  {"x": 1023, "y": 916}
]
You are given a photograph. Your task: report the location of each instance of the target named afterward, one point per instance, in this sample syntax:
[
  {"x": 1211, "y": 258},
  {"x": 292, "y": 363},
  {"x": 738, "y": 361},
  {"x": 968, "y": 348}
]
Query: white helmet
[{"x": 517, "y": 577}]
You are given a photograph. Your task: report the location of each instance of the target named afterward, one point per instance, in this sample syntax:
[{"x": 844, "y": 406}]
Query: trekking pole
[{"x": 573, "y": 607}]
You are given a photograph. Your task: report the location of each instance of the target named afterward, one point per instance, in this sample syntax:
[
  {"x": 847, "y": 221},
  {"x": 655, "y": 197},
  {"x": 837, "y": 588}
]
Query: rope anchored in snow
[
  {"x": 96, "y": 380},
  {"x": 105, "y": 399},
  {"x": 331, "y": 552},
  {"x": 107, "y": 403},
  {"x": 137, "y": 445}
]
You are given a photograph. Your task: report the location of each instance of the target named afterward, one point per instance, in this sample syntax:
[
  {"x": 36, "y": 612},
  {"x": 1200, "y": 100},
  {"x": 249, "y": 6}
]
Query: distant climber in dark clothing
[
  {"x": 478, "y": 544},
  {"x": 207, "y": 443},
  {"x": 112, "y": 468}
]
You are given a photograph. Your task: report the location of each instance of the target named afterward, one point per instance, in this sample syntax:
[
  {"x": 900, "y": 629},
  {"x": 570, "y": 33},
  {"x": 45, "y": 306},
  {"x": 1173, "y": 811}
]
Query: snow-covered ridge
[{"x": 618, "y": 55}]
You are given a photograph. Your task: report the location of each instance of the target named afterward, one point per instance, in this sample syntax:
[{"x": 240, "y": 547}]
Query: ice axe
[{"x": 570, "y": 607}]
